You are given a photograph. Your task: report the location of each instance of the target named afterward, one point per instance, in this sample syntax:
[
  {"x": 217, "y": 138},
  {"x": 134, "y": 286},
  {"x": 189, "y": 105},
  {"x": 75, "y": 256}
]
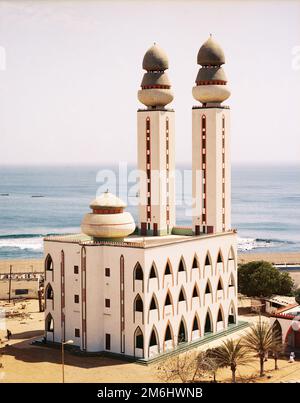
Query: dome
[
  {"x": 107, "y": 199},
  {"x": 155, "y": 97},
  {"x": 213, "y": 94},
  {"x": 108, "y": 220},
  {"x": 155, "y": 59},
  {"x": 211, "y": 74},
  {"x": 155, "y": 78},
  {"x": 211, "y": 54}
]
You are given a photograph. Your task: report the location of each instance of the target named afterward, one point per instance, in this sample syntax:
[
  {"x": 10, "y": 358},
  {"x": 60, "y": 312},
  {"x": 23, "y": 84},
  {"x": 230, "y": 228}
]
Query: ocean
[{"x": 38, "y": 201}]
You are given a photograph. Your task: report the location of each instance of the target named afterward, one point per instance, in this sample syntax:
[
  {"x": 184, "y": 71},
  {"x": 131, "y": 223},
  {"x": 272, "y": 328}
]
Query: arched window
[
  {"x": 182, "y": 335},
  {"x": 220, "y": 316},
  {"x": 49, "y": 323},
  {"x": 153, "y": 338},
  {"x": 195, "y": 292},
  {"x": 231, "y": 281},
  {"x": 220, "y": 258},
  {"x": 208, "y": 288},
  {"x": 153, "y": 303},
  {"x": 181, "y": 266},
  {"x": 49, "y": 263},
  {"x": 138, "y": 304},
  {"x": 231, "y": 314},
  {"x": 207, "y": 260},
  {"x": 168, "y": 334},
  {"x": 196, "y": 325},
  {"x": 277, "y": 330},
  {"x": 168, "y": 269},
  {"x": 195, "y": 263},
  {"x": 231, "y": 254},
  {"x": 168, "y": 299},
  {"x": 153, "y": 273},
  {"x": 49, "y": 292},
  {"x": 139, "y": 338},
  {"x": 220, "y": 286},
  {"x": 208, "y": 323},
  {"x": 182, "y": 296},
  {"x": 138, "y": 272}
]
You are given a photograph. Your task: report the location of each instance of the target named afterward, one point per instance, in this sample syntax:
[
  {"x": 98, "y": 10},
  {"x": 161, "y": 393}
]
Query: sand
[
  {"x": 23, "y": 362},
  {"x": 22, "y": 265},
  {"x": 273, "y": 257}
]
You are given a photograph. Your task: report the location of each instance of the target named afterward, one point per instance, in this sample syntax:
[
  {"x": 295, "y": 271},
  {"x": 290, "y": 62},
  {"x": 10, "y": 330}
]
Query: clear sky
[{"x": 73, "y": 68}]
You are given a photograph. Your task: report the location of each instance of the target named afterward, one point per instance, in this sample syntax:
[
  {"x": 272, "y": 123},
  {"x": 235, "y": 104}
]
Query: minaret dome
[
  {"x": 211, "y": 82},
  {"x": 155, "y": 87}
]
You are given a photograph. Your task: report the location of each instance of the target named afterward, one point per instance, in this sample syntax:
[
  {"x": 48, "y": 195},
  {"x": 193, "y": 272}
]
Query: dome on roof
[
  {"x": 107, "y": 199},
  {"x": 155, "y": 59},
  {"x": 108, "y": 220},
  {"x": 210, "y": 53}
]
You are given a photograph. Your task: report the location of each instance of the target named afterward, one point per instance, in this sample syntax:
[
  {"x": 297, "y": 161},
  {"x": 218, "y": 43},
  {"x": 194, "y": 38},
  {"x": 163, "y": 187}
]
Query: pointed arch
[
  {"x": 49, "y": 324},
  {"x": 182, "y": 298},
  {"x": 277, "y": 329},
  {"x": 231, "y": 257},
  {"x": 138, "y": 341},
  {"x": 138, "y": 275},
  {"x": 181, "y": 268},
  {"x": 168, "y": 271},
  {"x": 182, "y": 335},
  {"x": 49, "y": 266},
  {"x": 220, "y": 287},
  {"x": 220, "y": 259},
  {"x": 231, "y": 284},
  {"x": 49, "y": 295},
  {"x": 153, "y": 340},
  {"x": 195, "y": 265},
  {"x": 138, "y": 306},
  {"x": 232, "y": 314},
  {"x": 195, "y": 294},
  {"x": 208, "y": 290},
  {"x": 153, "y": 273},
  {"x": 220, "y": 319},
  {"x": 208, "y": 267},
  {"x": 169, "y": 335},
  {"x": 168, "y": 302},
  {"x": 153, "y": 306},
  {"x": 195, "y": 327},
  {"x": 208, "y": 324}
]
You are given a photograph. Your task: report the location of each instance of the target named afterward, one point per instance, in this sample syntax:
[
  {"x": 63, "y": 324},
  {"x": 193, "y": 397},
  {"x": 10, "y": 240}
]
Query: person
[
  {"x": 8, "y": 334},
  {"x": 292, "y": 357}
]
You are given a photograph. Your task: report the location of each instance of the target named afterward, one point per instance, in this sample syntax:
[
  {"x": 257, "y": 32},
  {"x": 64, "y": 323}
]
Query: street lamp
[{"x": 63, "y": 357}]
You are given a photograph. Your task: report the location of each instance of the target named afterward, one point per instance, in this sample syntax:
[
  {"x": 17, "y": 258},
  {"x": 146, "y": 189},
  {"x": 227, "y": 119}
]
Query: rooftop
[{"x": 133, "y": 241}]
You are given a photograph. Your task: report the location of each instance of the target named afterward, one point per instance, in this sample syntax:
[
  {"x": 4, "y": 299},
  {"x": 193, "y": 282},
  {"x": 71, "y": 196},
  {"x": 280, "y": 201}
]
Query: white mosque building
[{"x": 146, "y": 289}]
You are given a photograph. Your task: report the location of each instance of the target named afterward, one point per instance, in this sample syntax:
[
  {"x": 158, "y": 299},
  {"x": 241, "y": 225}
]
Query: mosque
[{"x": 147, "y": 288}]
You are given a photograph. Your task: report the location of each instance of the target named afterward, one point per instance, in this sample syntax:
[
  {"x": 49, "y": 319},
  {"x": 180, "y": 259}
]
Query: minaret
[
  {"x": 211, "y": 144},
  {"x": 156, "y": 147}
]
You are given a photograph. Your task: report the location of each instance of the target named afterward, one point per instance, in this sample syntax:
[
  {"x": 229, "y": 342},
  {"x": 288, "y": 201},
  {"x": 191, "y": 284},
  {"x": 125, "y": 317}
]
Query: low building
[
  {"x": 287, "y": 323},
  {"x": 21, "y": 285}
]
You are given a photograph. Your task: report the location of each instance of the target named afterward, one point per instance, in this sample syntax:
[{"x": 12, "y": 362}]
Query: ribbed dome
[
  {"x": 211, "y": 74},
  {"x": 211, "y": 53},
  {"x": 152, "y": 78},
  {"x": 155, "y": 59}
]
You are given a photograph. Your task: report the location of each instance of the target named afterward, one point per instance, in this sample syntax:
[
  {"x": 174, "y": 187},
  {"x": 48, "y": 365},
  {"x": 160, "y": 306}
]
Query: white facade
[
  {"x": 146, "y": 294},
  {"x": 144, "y": 310},
  {"x": 156, "y": 164}
]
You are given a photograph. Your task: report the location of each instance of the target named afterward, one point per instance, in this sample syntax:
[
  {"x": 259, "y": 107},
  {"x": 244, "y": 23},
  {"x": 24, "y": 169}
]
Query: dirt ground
[{"x": 23, "y": 362}]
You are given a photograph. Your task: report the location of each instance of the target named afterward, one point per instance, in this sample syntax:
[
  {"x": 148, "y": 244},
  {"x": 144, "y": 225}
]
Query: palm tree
[
  {"x": 276, "y": 350},
  {"x": 231, "y": 354},
  {"x": 260, "y": 339}
]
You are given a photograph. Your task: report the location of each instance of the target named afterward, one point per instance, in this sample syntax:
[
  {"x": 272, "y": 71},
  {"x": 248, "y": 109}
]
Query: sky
[{"x": 70, "y": 71}]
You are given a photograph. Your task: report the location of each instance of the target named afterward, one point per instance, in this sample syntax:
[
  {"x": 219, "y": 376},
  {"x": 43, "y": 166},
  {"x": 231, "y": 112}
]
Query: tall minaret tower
[
  {"x": 211, "y": 144},
  {"x": 156, "y": 147}
]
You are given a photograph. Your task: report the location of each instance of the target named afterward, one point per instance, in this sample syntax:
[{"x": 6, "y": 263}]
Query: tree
[
  {"x": 262, "y": 279},
  {"x": 231, "y": 354},
  {"x": 297, "y": 296},
  {"x": 260, "y": 339},
  {"x": 186, "y": 367},
  {"x": 276, "y": 350}
]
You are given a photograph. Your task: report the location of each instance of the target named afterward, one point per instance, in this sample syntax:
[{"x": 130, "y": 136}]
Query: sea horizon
[{"x": 36, "y": 201}]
